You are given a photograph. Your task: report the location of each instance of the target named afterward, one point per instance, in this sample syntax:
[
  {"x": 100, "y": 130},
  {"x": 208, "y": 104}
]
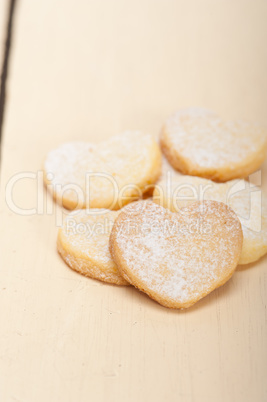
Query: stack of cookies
[{"x": 175, "y": 219}]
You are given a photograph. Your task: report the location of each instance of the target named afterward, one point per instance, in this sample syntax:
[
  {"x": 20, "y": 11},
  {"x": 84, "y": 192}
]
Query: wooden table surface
[{"x": 86, "y": 70}]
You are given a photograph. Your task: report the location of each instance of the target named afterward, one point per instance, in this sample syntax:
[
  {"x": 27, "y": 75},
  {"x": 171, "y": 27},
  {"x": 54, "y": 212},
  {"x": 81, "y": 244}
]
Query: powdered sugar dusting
[
  {"x": 249, "y": 203},
  {"x": 202, "y": 137},
  {"x": 132, "y": 158},
  {"x": 172, "y": 257},
  {"x": 84, "y": 243}
]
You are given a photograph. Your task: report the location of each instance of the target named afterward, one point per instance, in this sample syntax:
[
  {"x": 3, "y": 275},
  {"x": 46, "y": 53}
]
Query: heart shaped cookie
[
  {"x": 199, "y": 143},
  {"x": 176, "y": 258},
  {"x": 248, "y": 202},
  {"x": 83, "y": 243},
  {"x": 107, "y": 175}
]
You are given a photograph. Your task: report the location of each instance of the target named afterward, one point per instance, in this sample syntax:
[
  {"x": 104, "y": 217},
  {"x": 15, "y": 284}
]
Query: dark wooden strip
[{"x": 6, "y": 60}]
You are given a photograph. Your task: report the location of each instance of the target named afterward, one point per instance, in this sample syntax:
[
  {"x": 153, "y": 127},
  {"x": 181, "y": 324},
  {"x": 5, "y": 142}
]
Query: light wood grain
[{"x": 88, "y": 70}]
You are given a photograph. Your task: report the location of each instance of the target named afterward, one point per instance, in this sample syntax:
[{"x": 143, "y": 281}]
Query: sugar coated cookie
[
  {"x": 197, "y": 142},
  {"x": 83, "y": 243},
  {"x": 248, "y": 202},
  {"x": 166, "y": 171},
  {"x": 176, "y": 258},
  {"x": 107, "y": 175}
]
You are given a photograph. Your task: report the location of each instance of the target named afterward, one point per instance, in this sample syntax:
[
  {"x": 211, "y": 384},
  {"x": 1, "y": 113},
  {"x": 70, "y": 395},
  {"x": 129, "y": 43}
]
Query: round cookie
[
  {"x": 106, "y": 175},
  {"x": 198, "y": 142},
  {"x": 249, "y": 203},
  {"x": 176, "y": 259},
  {"x": 83, "y": 243}
]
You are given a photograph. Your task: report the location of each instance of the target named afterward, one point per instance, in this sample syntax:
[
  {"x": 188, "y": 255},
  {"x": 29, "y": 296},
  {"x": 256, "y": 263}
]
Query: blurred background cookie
[
  {"x": 248, "y": 202},
  {"x": 107, "y": 175},
  {"x": 198, "y": 142}
]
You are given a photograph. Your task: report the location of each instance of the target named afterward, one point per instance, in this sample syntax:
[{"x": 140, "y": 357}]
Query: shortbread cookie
[
  {"x": 166, "y": 172},
  {"x": 83, "y": 243},
  {"x": 107, "y": 175},
  {"x": 178, "y": 190},
  {"x": 198, "y": 142},
  {"x": 167, "y": 169},
  {"x": 176, "y": 258},
  {"x": 249, "y": 203}
]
